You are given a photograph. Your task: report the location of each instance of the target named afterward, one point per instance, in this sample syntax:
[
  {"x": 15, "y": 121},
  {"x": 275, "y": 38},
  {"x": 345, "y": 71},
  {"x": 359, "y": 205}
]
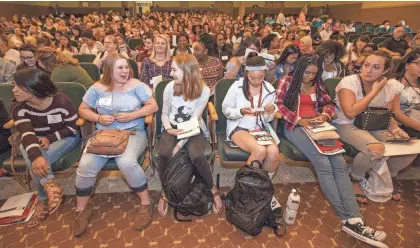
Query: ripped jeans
[{"x": 371, "y": 150}]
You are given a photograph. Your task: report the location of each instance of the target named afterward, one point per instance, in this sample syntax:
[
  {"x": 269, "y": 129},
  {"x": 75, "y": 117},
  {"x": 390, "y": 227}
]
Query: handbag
[
  {"x": 373, "y": 118},
  {"x": 109, "y": 142}
]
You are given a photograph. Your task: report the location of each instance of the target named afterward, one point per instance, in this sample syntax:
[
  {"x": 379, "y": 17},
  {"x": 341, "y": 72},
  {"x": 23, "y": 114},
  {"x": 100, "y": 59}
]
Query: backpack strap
[{"x": 271, "y": 222}]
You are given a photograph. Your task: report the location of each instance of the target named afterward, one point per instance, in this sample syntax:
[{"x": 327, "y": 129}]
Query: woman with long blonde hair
[
  {"x": 117, "y": 101},
  {"x": 159, "y": 62},
  {"x": 185, "y": 98},
  {"x": 63, "y": 67}
]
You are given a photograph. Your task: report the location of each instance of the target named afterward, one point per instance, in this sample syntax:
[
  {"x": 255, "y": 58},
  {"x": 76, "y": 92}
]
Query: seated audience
[
  {"x": 303, "y": 99},
  {"x": 306, "y": 45},
  {"x": 326, "y": 33},
  {"x": 63, "y": 68},
  {"x": 27, "y": 56},
  {"x": 111, "y": 46},
  {"x": 66, "y": 46},
  {"x": 331, "y": 52},
  {"x": 415, "y": 41},
  {"x": 271, "y": 45},
  {"x": 247, "y": 93},
  {"x": 182, "y": 45},
  {"x": 4, "y": 134},
  {"x": 351, "y": 101},
  {"x": 7, "y": 52},
  {"x": 395, "y": 46},
  {"x": 285, "y": 64},
  {"x": 90, "y": 46},
  {"x": 145, "y": 50},
  {"x": 187, "y": 95},
  {"x": 288, "y": 39},
  {"x": 407, "y": 99},
  {"x": 44, "y": 140},
  {"x": 223, "y": 49},
  {"x": 357, "y": 52},
  {"x": 211, "y": 68},
  {"x": 159, "y": 62},
  {"x": 7, "y": 69}
]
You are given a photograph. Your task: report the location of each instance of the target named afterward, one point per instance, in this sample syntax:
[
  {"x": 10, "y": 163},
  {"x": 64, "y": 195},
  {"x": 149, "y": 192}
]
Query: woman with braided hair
[{"x": 302, "y": 99}]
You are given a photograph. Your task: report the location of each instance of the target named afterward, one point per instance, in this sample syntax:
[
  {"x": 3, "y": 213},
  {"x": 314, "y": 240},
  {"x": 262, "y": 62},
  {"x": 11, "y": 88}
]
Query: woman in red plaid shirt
[{"x": 302, "y": 99}]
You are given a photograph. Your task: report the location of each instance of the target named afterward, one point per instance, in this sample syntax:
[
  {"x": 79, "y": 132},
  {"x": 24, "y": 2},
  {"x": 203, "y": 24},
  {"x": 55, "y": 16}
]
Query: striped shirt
[
  {"x": 212, "y": 71},
  {"x": 56, "y": 122}
]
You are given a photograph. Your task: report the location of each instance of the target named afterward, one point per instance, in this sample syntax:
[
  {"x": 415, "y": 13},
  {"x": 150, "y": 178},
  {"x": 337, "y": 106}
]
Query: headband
[{"x": 255, "y": 68}]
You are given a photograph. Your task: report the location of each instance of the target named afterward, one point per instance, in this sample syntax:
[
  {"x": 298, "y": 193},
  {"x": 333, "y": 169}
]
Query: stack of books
[
  {"x": 324, "y": 138},
  {"x": 18, "y": 209}
]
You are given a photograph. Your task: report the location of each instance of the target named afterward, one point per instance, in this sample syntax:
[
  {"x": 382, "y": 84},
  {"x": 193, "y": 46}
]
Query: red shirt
[{"x": 307, "y": 106}]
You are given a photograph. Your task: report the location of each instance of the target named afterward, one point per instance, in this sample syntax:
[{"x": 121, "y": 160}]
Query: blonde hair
[
  {"x": 13, "y": 41},
  {"x": 114, "y": 40},
  {"x": 108, "y": 69},
  {"x": 167, "y": 50},
  {"x": 306, "y": 39},
  {"x": 192, "y": 85},
  {"x": 51, "y": 58},
  {"x": 30, "y": 40}
]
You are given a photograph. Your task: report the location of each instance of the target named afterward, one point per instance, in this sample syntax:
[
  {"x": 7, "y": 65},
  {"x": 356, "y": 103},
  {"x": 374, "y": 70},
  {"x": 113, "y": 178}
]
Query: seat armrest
[
  {"x": 149, "y": 119},
  {"x": 212, "y": 112},
  {"x": 278, "y": 116},
  {"x": 80, "y": 122},
  {"x": 9, "y": 125}
]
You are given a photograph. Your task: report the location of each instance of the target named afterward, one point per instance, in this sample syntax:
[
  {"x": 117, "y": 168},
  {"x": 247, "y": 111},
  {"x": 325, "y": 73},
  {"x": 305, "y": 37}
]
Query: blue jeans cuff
[
  {"x": 139, "y": 189},
  {"x": 84, "y": 192}
]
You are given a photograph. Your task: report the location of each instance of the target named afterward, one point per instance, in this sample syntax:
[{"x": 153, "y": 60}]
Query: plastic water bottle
[{"x": 292, "y": 206}]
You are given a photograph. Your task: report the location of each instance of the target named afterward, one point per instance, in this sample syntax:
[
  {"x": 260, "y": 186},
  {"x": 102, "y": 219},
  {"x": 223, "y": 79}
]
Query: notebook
[{"x": 189, "y": 128}]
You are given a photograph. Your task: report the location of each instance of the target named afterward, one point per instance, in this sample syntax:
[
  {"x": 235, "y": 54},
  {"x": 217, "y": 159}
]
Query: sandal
[
  {"x": 165, "y": 205},
  {"x": 215, "y": 194},
  {"x": 359, "y": 196},
  {"x": 55, "y": 194},
  {"x": 41, "y": 213}
]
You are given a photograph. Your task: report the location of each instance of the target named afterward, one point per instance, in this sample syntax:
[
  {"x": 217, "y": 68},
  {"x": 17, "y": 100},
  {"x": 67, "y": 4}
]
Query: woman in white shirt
[
  {"x": 184, "y": 98},
  {"x": 407, "y": 101},
  {"x": 248, "y": 105},
  {"x": 351, "y": 101},
  {"x": 90, "y": 46}
]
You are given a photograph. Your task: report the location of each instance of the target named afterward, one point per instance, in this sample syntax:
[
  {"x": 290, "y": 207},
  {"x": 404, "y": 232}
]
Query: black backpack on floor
[
  {"x": 184, "y": 188},
  {"x": 248, "y": 204}
]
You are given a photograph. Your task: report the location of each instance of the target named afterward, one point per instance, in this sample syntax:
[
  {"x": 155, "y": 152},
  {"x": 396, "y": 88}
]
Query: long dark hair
[
  {"x": 290, "y": 49},
  {"x": 252, "y": 61},
  {"x": 410, "y": 57},
  {"x": 36, "y": 82},
  {"x": 292, "y": 95},
  {"x": 209, "y": 43}
]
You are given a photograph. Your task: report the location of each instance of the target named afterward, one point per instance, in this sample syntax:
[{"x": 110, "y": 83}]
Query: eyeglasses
[
  {"x": 417, "y": 63},
  {"x": 27, "y": 58}
]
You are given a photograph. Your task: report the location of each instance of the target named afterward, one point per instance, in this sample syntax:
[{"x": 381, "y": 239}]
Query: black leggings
[{"x": 195, "y": 148}]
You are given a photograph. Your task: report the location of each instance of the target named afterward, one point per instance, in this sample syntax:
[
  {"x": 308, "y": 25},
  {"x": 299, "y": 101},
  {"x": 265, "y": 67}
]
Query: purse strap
[{"x": 363, "y": 87}]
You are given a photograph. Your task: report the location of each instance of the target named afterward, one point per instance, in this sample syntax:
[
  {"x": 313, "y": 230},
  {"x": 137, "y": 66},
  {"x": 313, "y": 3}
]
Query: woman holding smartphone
[{"x": 303, "y": 100}]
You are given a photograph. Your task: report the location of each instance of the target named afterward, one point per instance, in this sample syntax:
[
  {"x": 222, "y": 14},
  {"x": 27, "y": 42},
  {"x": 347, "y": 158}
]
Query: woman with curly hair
[
  {"x": 331, "y": 52},
  {"x": 63, "y": 68}
]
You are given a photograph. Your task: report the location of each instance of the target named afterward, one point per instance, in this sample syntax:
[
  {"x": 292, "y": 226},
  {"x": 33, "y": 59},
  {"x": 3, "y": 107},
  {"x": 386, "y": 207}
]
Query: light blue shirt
[{"x": 112, "y": 103}]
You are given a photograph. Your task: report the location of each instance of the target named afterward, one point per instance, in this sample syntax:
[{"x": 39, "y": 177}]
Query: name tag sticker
[
  {"x": 224, "y": 57},
  {"x": 105, "y": 101},
  {"x": 313, "y": 97},
  {"x": 54, "y": 119}
]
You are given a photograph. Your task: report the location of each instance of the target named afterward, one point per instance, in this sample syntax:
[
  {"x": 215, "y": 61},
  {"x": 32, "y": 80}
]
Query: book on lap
[{"x": 189, "y": 128}]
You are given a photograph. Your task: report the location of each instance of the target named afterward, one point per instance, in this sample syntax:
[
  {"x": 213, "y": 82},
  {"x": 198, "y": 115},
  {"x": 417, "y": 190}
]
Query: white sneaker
[{"x": 365, "y": 234}]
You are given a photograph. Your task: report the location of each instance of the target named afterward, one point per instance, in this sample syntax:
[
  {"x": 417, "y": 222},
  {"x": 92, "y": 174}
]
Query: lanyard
[{"x": 259, "y": 99}]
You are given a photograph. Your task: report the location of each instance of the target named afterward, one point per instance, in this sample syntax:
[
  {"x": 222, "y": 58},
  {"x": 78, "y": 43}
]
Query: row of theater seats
[{"x": 213, "y": 115}]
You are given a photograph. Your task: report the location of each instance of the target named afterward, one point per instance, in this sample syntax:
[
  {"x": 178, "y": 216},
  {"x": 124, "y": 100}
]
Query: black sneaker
[
  {"x": 276, "y": 207},
  {"x": 365, "y": 234}
]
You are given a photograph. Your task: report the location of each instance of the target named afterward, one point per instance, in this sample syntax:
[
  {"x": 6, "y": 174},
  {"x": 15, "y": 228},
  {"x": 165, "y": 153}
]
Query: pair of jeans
[
  {"x": 195, "y": 147},
  {"x": 332, "y": 172},
  {"x": 363, "y": 161},
  {"x": 54, "y": 152},
  {"x": 91, "y": 164}
]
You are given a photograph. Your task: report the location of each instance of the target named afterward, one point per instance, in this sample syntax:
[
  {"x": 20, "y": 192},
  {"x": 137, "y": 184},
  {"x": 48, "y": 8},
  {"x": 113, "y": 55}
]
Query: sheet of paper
[
  {"x": 155, "y": 81},
  {"x": 16, "y": 205},
  {"x": 174, "y": 40},
  {"x": 395, "y": 149}
]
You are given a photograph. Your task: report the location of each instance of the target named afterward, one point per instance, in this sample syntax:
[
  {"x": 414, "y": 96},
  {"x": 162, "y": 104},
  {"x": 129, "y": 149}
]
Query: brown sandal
[
  {"x": 41, "y": 213},
  {"x": 55, "y": 194}
]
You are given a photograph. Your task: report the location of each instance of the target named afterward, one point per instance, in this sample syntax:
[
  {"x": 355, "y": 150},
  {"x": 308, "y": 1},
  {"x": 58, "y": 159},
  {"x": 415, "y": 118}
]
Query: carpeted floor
[{"x": 316, "y": 225}]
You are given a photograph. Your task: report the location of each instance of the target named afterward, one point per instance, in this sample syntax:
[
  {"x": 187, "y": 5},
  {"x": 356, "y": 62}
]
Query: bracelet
[{"x": 99, "y": 116}]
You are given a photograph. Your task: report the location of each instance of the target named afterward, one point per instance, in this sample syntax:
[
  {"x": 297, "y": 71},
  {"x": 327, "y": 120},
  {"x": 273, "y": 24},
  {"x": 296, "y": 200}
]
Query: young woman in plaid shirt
[{"x": 303, "y": 99}]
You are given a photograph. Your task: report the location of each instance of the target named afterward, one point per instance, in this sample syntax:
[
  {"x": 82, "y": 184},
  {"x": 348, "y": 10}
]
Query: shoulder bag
[
  {"x": 373, "y": 118},
  {"x": 109, "y": 142}
]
